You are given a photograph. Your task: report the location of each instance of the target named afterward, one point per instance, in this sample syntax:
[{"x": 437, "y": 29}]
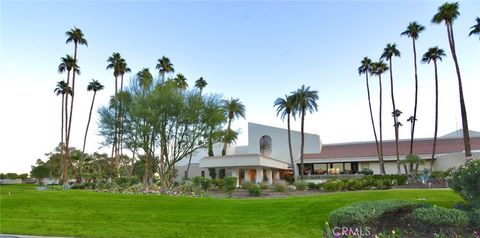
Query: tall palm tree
[
  {"x": 378, "y": 68},
  {"x": 234, "y": 109},
  {"x": 145, "y": 79},
  {"x": 164, "y": 67},
  {"x": 123, "y": 69},
  {"x": 181, "y": 82},
  {"x": 304, "y": 100},
  {"x": 200, "y": 84},
  {"x": 434, "y": 54},
  {"x": 286, "y": 107},
  {"x": 62, "y": 88},
  {"x": 365, "y": 68},
  {"x": 389, "y": 52},
  {"x": 115, "y": 63},
  {"x": 412, "y": 31},
  {"x": 92, "y": 86},
  {"x": 447, "y": 13},
  {"x": 76, "y": 36},
  {"x": 475, "y": 28}
]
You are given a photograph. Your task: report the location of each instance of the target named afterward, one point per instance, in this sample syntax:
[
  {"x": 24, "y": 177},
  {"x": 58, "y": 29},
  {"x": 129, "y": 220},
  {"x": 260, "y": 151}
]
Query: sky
[{"x": 256, "y": 51}]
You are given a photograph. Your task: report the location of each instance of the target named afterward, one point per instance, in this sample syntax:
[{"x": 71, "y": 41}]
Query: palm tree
[
  {"x": 365, "y": 68},
  {"x": 304, "y": 100},
  {"x": 181, "y": 82},
  {"x": 122, "y": 70},
  {"x": 378, "y": 68},
  {"x": 286, "y": 107},
  {"x": 447, "y": 13},
  {"x": 234, "y": 109},
  {"x": 62, "y": 88},
  {"x": 164, "y": 67},
  {"x": 434, "y": 54},
  {"x": 92, "y": 86},
  {"x": 412, "y": 31},
  {"x": 200, "y": 84},
  {"x": 145, "y": 79},
  {"x": 389, "y": 52},
  {"x": 115, "y": 63},
  {"x": 475, "y": 28}
]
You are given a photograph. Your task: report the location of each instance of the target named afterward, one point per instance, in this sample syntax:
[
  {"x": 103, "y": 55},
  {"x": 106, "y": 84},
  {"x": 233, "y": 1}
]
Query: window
[
  {"x": 203, "y": 174},
  {"x": 265, "y": 145}
]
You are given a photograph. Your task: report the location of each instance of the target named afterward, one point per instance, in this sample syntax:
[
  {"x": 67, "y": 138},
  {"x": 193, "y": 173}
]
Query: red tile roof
[{"x": 368, "y": 149}]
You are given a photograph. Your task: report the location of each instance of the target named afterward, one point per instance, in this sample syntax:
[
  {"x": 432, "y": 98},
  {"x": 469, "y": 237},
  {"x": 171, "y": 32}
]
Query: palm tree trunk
[
  {"x": 294, "y": 166},
  {"x": 302, "y": 143},
  {"x": 61, "y": 130},
  {"x": 224, "y": 150},
  {"x": 371, "y": 115},
  {"x": 382, "y": 167},
  {"x": 395, "y": 119},
  {"x": 115, "y": 138},
  {"x": 436, "y": 116},
  {"x": 466, "y": 136},
  {"x": 412, "y": 132},
  {"x": 67, "y": 142},
  {"x": 88, "y": 123}
]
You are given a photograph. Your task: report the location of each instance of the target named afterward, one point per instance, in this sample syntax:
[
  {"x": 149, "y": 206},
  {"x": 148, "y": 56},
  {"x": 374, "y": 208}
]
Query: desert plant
[{"x": 280, "y": 186}]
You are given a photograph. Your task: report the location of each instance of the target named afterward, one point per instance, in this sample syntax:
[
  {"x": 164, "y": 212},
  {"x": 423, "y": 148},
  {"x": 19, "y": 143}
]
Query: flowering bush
[{"x": 465, "y": 180}]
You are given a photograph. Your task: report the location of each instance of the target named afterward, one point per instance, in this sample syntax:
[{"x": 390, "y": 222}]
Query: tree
[
  {"x": 447, "y": 13},
  {"x": 234, "y": 109},
  {"x": 164, "y": 67},
  {"x": 92, "y": 86},
  {"x": 286, "y": 107},
  {"x": 304, "y": 100},
  {"x": 434, "y": 54},
  {"x": 412, "y": 31},
  {"x": 389, "y": 52},
  {"x": 181, "y": 82},
  {"x": 475, "y": 28},
  {"x": 200, "y": 84},
  {"x": 365, "y": 68},
  {"x": 62, "y": 88},
  {"x": 378, "y": 68}
]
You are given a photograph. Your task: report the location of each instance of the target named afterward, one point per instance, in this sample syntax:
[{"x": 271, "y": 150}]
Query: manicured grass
[{"x": 91, "y": 214}]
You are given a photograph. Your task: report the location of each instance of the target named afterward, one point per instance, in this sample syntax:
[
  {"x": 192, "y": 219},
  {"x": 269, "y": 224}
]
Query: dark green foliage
[
  {"x": 301, "y": 185},
  {"x": 367, "y": 182},
  {"x": 230, "y": 184},
  {"x": 203, "y": 183},
  {"x": 465, "y": 180},
  {"x": 289, "y": 179},
  {"x": 313, "y": 186},
  {"x": 366, "y": 213},
  {"x": 400, "y": 178},
  {"x": 212, "y": 173},
  {"x": 440, "y": 216},
  {"x": 255, "y": 190},
  {"x": 475, "y": 218},
  {"x": 125, "y": 182},
  {"x": 366, "y": 171},
  {"x": 219, "y": 183},
  {"x": 221, "y": 173}
]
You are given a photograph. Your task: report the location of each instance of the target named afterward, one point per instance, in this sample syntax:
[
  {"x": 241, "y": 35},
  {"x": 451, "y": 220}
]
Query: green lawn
[{"x": 91, "y": 214}]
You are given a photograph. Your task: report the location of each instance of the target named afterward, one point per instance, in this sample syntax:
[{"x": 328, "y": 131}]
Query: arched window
[{"x": 265, "y": 145}]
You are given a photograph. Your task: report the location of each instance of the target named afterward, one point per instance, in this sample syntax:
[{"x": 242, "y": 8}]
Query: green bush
[
  {"x": 230, "y": 184},
  {"x": 219, "y": 183},
  {"x": 255, "y": 190},
  {"x": 440, "y": 175},
  {"x": 289, "y": 179},
  {"x": 401, "y": 179},
  {"x": 246, "y": 185},
  {"x": 203, "y": 183},
  {"x": 331, "y": 185},
  {"x": 280, "y": 186},
  {"x": 77, "y": 186},
  {"x": 367, "y": 213},
  {"x": 465, "y": 180},
  {"x": 475, "y": 218},
  {"x": 312, "y": 186},
  {"x": 301, "y": 185},
  {"x": 125, "y": 182},
  {"x": 366, "y": 171},
  {"x": 264, "y": 185},
  {"x": 440, "y": 216}
]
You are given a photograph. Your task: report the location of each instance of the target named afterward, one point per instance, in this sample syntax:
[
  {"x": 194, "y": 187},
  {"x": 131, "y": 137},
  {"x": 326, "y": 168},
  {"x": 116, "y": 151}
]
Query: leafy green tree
[
  {"x": 475, "y": 28},
  {"x": 234, "y": 109},
  {"x": 378, "y": 68},
  {"x": 305, "y": 100},
  {"x": 365, "y": 68},
  {"x": 389, "y": 52},
  {"x": 164, "y": 67},
  {"x": 434, "y": 54},
  {"x": 447, "y": 13},
  {"x": 412, "y": 31},
  {"x": 286, "y": 107},
  {"x": 94, "y": 86},
  {"x": 40, "y": 171}
]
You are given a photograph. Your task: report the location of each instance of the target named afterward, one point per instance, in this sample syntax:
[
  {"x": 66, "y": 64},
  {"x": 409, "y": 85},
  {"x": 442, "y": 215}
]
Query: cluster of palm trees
[
  {"x": 447, "y": 13},
  {"x": 299, "y": 102}
]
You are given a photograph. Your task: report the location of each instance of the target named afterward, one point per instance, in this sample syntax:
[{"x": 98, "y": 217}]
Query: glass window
[{"x": 319, "y": 168}]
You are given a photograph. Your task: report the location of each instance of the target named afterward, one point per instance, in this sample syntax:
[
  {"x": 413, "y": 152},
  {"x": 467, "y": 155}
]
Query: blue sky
[{"x": 255, "y": 51}]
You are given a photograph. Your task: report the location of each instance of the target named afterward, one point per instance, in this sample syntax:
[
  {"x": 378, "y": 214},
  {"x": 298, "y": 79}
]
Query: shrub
[
  {"x": 77, "y": 186},
  {"x": 280, "y": 186},
  {"x": 218, "y": 183},
  {"x": 230, "y": 184},
  {"x": 264, "y": 185},
  {"x": 255, "y": 190},
  {"x": 289, "y": 179},
  {"x": 125, "y": 182},
  {"x": 312, "y": 186},
  {"x": 203, "y": 183},
  {"x": 475, "y": 218},
  {"x": 90, "y": 185},
  {"x": 246, "y": 185},
  {"x": 301, "y": 185},
  {"x": 331, "y": 185},
  {"x": 440, "y": 216},
  {"x": 366, "y": 213},
  {"x": 366, "y": 171},
  {"x": 401, "y": 179},
  {"x": 465, "y": 180}
]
